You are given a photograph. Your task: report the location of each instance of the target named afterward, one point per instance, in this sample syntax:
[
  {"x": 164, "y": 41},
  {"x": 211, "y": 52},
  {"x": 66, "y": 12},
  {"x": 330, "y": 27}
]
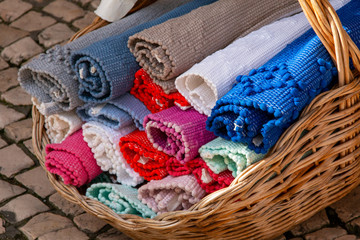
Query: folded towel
[
  {"x": 72, "y": 160},
  {"x": 221, "y": 155},
  {"x": 171, "y": 193},
  {"x": 204, "y": 83},
  {"x": 142, "y": 157},
  {"x": 121, "y": 199},
  {"x": 169, "y": 49},
  {"x": 264, "y": 103},
  {"x": 153, "y": 96},
  {"x": 178, "y": 133},
  {"x": 60, "y": 126},
  {"x": 106, "y": 69},
  {"x": 104, "y": 143},
  {"x": 117, "y": 113},
  {"x": 50, "y": 77},
  {"x": 208, "y": 180}
]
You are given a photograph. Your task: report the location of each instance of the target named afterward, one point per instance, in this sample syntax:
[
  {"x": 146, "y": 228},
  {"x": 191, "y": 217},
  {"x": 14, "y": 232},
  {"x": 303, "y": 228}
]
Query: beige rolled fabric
[{"x": 169, "y": 49}]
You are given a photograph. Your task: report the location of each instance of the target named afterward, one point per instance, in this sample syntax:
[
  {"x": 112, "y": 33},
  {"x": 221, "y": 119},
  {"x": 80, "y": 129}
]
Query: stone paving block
[
  {"x": 21, "y": 50},
  {"x": 354, "y": 226},
  {"x": 19, "y": 131},
  {"x": 36, "y": 180},
  {"x": 33, "y": 21},
  {"x": 55, "y": 34},
  {"x": 3, "y": 64},
  {"x": 2, "y": 143},
  {"x": 13, "y": 160},
  {"x": 94, "y": 4},
  {"x": 64, "y": 235},
  {"x": 2, "y": 228},
  {"x": 12, "y": 9},
  {"x": 113, "y": 234},
  {"x": 11, "y": 34},
  {"x": 347, "y": 237},
  {"x": 28, "y": 145},
  {"x": 45, "y": 223},
  {"x": 64, "y": 205},
  {"x": 89, "y": 222},
  {"x": 11, "y": 233},
  {"x": 348, "y": 207},
  {"x": 8, "y": 190},
  {"x": 8, "y": 79},
  {"x": 326, "y": 234},
  {"x": 17, "y": 96},
  {"x": 8, "y": 115},
  {"x": 314, "y": 223},
  {"x": 65, "y": 10},
  {"x": 85, "y": 21},
  {"x": 22, "y": 207}
]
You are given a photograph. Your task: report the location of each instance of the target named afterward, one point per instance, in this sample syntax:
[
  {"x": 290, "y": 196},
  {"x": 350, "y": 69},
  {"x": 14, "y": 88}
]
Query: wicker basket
[{"x": 282, "y": 190}]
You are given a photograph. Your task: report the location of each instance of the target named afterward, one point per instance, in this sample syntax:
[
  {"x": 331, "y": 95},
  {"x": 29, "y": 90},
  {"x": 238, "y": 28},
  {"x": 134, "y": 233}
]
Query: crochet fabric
[
  {"x": 264, "y": 103},
  {"x": 50, "y": 77},
  {"x": 169, "y": 49},
  {"x": 221, "y": 155},
  {"x": 72, "y": 160},
  {"x": 204, "y": 83},
  {"x": 117, "y": 113},
  {"x": 60, "y": 126},
  {"x": 142, "y": 157},
  {"x": 121, "y": 199},
  {"x": 208, "y": 180},
  {"x": 178, "y": 133},
  {"x": 104, "y": 143},
  {"x": 106, "y": 68},
  {"x": 171, "y": 193},
  {"x": 153, "y": 96}
]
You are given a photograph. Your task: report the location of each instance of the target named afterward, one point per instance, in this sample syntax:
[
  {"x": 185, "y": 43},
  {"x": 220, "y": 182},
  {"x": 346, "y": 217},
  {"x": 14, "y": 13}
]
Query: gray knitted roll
[
  {"x": 50, "y": 78},
  {"x": 169, "y": 49}
]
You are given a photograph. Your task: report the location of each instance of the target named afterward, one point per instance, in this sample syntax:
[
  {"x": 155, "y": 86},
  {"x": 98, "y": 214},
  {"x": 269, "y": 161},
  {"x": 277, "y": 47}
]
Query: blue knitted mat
[
  {"x": 259, "y": 108},
  {"x": 106, "y": 69}
]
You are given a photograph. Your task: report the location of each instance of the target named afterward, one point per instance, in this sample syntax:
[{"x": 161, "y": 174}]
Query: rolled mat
[
  {"x": 60, "y": 126},
  {"x": 72, "y": 160},
  {"x": 221, "y": 155},
  {"x": 169, "y": 49},
  {"x": 50, "y": 77},
  {"x": 117, "y": 113},
  {"x": 208, "y": 180},
  {"x": 143, "y": 157},
  {"x": 204, "y": 83},
  {"x": 121, "y": 199},
  {"x": 104, "y": 143},
  {"x": 178, "y": 133},
  {"x": 153, "y": 96},
  {"x": 106, "y": 68},
  {"x": 264, "y": 103},
  {"x": 171, "y": 193}
]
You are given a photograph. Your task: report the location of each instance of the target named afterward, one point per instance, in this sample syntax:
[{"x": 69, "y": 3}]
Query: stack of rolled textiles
[{"x": 156, "y": 137}]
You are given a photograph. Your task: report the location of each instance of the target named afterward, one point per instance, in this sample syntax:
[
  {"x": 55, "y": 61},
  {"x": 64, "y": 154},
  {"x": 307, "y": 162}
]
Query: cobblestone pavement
[{"x": 29, "y": 206}]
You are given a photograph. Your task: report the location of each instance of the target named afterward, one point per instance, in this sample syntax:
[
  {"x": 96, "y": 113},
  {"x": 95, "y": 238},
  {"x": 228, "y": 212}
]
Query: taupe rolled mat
[{"x": 169, "y": 49}]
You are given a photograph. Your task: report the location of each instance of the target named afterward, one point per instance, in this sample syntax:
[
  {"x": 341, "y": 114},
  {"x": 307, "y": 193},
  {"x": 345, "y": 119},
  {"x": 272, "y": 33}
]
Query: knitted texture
[
  {"x": 106, "y": 68},
  {"x": 171, "y": 193},
  {"x": 208, "y": 180},
  {"x": 204, "y": 83},
  {"x": 178, "y": 133},
  {"x": 104, "y": 143},
  {"x": 264, "y": 103},
  {"x": 117, "y": 113},
  {"x": 171, "y": 48},
  {"x": 72, "y": 160},
  {"x": 153, "y": 96},
  {"x": 221, "y": 155},
  {"x": 121, "y": 199},
  {"x": 142, "y": 157},
  {"x": 50, "y": 77},
  {"x": 60, "y": 126}
]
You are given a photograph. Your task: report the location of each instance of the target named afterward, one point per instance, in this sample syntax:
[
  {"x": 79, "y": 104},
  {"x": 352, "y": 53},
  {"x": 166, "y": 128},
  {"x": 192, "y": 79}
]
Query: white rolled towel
[
  {"x": 113, "y": 10},
  {"x": 60, "y": 126},
  {"x": 206, "y": 82},
  {"x": 104, "y": 143}
]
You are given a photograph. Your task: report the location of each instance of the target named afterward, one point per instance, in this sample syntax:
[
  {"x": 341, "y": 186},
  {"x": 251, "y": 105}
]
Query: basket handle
[{"x": 326, "y": 24}]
